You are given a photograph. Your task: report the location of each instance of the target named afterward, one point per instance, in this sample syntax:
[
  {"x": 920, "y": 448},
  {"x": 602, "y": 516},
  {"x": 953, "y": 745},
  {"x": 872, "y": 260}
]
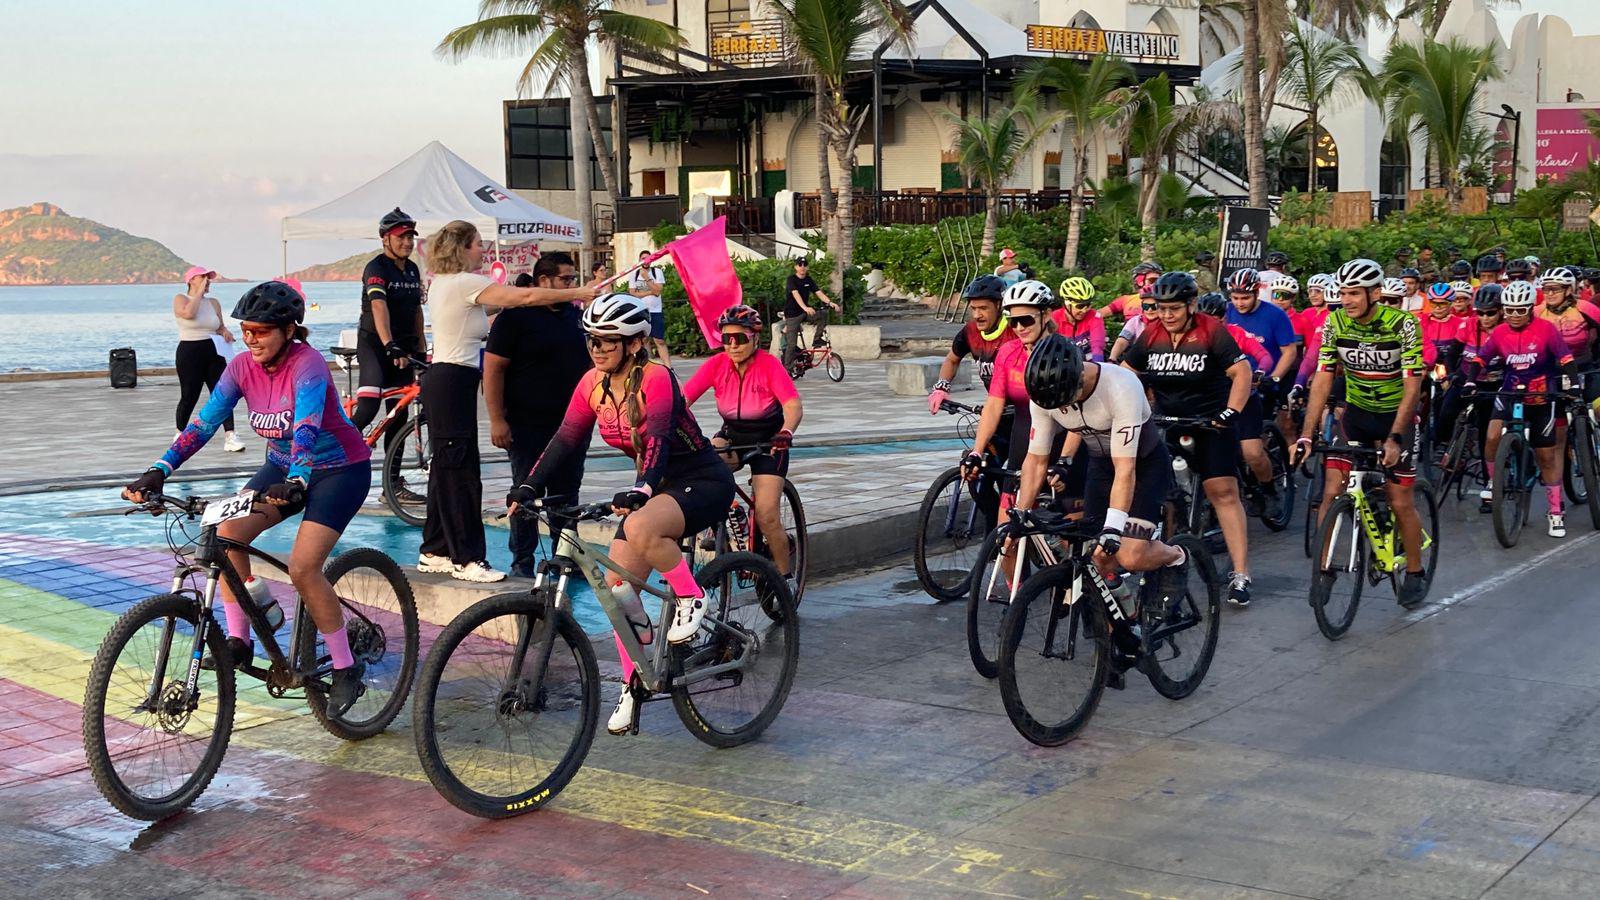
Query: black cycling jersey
[
  {"x": 1190, "y": 379},
  {"x": 400, "y": 288},
  {"x": 971, "y": 342}
]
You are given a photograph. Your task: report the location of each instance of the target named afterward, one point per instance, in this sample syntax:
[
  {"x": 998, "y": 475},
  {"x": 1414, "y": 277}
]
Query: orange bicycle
[{"x": 406, "y": 458}]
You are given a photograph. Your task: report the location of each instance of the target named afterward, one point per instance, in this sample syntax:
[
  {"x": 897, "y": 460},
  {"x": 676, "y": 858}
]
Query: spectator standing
[
  {"x": 199, "y": 357},
  {"x": 646, "y": 283},
  {"x": 1427, "y": 266},
  {"x": 1205, "y": 271},
  {"x": 1402, "y": 260},
  {"x": 798, "y": 292},
  {"x": 452, "y": 534},
  {"x": 535, "y": 359}
]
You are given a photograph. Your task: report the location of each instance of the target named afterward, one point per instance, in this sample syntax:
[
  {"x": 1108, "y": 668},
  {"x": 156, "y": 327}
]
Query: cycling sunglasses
[
  {"x": 1024, "y": 321},
  {"x": 736, "y": 338},
  {"x": 1086, "y": 304},
  {"x": 602, "y": 344}
]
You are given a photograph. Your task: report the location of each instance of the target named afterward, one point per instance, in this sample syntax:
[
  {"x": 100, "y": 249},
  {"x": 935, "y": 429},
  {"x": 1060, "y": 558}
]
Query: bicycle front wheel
[
  {"x": 949, "y": 529},
  {"x": 405, "y": 472},
  {"x": 835, "y": 368},
  {"x": 494, "y": 741},
  {"x": 1510, "y": 490},
  {"x": 1055, "y": 657},
  {"x": 151, "y": 747},
  {"x": 380, "y": 617},
  {"x": 736, "y": 673},
  {"x": 1180, "y": 622},
  {"x": 988, "y": 598},
  {"x": 1583, "y": 446},
  {"x": 1339, "y": 570},
  {"x": 1282, "y": 478}
]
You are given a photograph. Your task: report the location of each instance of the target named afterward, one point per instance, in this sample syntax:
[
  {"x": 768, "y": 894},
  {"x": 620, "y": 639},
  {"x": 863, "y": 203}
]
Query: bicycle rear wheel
[
  {"x": 1428, "y": 510},
  {"x": 988, "y": 598},
  {"x": 1314, "y": 489},
  {"x": 793, "y": 515},
  {"x": 380, "y": 616},
  {"x": 492, "y": 742},
  {"x": 1339, "y": 571},
  {"x": 1282, "y": 478},
  {"x": 835, "y": 367},
  {"x": 405, "y": 472},
  {"x": 1055, "y": 656},
  {"x": 151, "y": 748},
  {"x": 733, "y": 707},
  {"x": 1512, "y": 464},
  {"x": 1180, "y": 628},
  {"x": 949, "y": 529},
  {"x": 1582, "y": 440}
]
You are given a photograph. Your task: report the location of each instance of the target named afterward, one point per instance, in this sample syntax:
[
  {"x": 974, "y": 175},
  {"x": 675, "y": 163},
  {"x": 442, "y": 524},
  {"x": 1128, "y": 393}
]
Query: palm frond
[
  {"x": 494, "y": 36},
  {"x": 635, "y": 32}
]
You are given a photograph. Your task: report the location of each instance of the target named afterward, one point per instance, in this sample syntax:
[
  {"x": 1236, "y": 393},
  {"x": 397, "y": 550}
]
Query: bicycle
[
  {"x": 1463, "y": 455},
  {"x": 1250, "y": 490},
  {"x": 1341, "y": 551},
  {"x": 739, "y": 531},
  {"x": 951, "y": 518},
  {"x": 509, "y": 697},
  {"x": 819, "y": 354},
  {"x": 191, "y": 708},
  {"x": 406, "y": 458},
  {"x": 1188, "y": 509},
  {"x": 1067, "y": 614},
  {"x": 986, "y": 606},
  {"x": 1581, "y": 474},
  {"x": 1317, "y": 476},
  {"x": 1516, "y": 472}
]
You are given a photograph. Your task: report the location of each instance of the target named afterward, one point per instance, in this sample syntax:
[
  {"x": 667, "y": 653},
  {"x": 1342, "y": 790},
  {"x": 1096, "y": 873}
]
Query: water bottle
[
  {"x": 1121, "y": 593},
  {"x": 261, "y": 596}
]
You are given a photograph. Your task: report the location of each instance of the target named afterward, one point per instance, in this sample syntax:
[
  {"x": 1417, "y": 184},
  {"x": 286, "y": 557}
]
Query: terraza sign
[{"x": 1092, "y": 41}]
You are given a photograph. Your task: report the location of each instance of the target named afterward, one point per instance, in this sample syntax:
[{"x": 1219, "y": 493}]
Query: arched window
[
  {"x": 1324, "y": 154},
  {"x": 1163, "y": 22},
  {"x": 1083, "y": 20},
  {"x": 1394, "y": 168}
]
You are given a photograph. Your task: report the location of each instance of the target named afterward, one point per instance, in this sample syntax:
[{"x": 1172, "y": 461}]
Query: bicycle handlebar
[
  {"x": 1186, "y": 422},
  {"x": 955, "y": 407},
  {"x": 156, "y": 504}
]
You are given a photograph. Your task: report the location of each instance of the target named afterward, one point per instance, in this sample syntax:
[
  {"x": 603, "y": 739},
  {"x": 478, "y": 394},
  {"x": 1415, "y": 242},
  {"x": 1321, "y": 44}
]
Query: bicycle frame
[{"x": 1387, "y": 551}]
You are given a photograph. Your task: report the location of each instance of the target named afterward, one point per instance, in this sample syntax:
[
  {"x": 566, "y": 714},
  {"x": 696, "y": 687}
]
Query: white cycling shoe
[
  {"x": 621, "y": 721},
  {"x": 687, "y": 615},
  {"x": 1558, "y": 525}
]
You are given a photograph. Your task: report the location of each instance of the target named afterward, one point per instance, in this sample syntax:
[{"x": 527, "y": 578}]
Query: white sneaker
[
  {"x": 686, "y": 618},
  {"x": 478, "y": 571},
  {"x": 427, "y": 562},
  {"x": 1558, "y": 525},
  {"x": 233, "y": 444},
  {"x": 621, "y": 720}
]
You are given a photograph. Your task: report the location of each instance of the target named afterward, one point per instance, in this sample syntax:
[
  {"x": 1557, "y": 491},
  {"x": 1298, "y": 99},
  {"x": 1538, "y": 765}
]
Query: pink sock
[
  {"x": 338, "y": 644},
  {"x": 1488, "y": 469},
  {"x": 1552, "y": 496},
  {"x": 238, "y": 622},
  {"x": 627, "y": 661},
  {"x": 681, "y": 580}
]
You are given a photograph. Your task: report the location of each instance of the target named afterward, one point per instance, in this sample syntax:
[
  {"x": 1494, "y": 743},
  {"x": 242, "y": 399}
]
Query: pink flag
[{"x": 707, "y": 272}]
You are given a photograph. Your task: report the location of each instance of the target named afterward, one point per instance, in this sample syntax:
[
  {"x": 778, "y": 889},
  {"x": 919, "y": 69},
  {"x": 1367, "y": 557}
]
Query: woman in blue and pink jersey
[
  {"x": 317, "y": 463},
  {"x": 681, "y": 486},
  {"x": 759, "y": 405}
]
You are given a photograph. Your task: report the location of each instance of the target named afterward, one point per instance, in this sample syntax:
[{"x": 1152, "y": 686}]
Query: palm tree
[
  {"x": 1437, "y": 88},
  {"x": 558, "y": 33},
  {"x": 1430, "y": 13},
  {"x": 989, "y": 151},
  {"x": 1094, "y": 98},
  {"x": 1319, "y": 71},
  {"x": 1157, "y": 128},
  {"x": 825, "y": 33}
]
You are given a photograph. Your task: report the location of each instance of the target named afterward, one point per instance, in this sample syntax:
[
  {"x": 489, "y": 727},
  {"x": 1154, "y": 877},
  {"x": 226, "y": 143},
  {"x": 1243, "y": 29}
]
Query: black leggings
[{"x": 199, "y": 365}]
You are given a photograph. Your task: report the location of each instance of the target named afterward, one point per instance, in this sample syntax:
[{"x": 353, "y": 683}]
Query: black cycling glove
[
  {"x": 149, "y": 483},
  {"x": 288, "y": 493},
  {"x": 395, "y": 351},
  {"x": 525, "y": 495},
  {"x": 630, "y": 499}
]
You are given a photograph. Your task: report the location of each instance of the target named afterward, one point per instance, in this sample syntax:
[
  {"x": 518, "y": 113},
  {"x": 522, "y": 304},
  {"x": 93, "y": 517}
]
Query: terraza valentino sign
[{"x": 1092, "y": 41}]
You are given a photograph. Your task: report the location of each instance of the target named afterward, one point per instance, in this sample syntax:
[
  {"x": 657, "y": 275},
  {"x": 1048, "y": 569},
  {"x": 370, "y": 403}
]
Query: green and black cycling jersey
[{"x": 1375, "y": 357}]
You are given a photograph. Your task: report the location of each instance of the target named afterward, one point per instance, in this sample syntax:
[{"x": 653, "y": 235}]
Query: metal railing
[{"x": 924, "y": 208}]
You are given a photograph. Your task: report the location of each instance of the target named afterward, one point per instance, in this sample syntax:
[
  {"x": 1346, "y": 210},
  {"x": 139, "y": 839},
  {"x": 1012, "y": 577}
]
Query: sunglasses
[
  {"x": 257, "y": 333},
  {"x": 1024, "y": 321},
  {"x": 603, "y": 344},
  {"x": 735, "y": 338},
  {"x": 1517, "y": 311},
  {"x": 1485, "y": 315},
  {"x": 1148, "y": 307},
  {"x": 1082, "y": 306}
]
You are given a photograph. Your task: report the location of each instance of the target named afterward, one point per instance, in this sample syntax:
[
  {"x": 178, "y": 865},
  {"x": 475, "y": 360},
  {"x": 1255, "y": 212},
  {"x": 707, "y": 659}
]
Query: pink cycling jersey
[
  {"x": 1009, "y": 365},
  {"x": 1578, "y": 325},
  {"x": 753, "y": 398},
  {"x": 1258, "y": 357},
  {"x": 1089, "y": 332}
]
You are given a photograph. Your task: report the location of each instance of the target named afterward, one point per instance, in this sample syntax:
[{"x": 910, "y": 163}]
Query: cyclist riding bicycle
[
  {"x": 1473, "y": 334},
  {"x": 1441, "y": 328},
  {"x": 1135, "y": 324},
  {"x": 317, "y": 463},
  {"x": 1077, "y": 318},
  {"x": 759, "y": 405},
  {"x": 1578, "y": 323},
  {"x": 1379, "y": 349},
  {"x": 981, "y": 338},
  {"x": 391, "y": 327},
  {"x": 1533, "y": 353},
  {"x": 1193, "y": 367},
  {"x": 681, "y": 486},
  {"x": 1269, "y": 326}
]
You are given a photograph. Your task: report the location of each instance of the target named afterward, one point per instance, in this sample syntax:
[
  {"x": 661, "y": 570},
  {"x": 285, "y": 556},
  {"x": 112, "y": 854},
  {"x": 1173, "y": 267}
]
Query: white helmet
[
  {"x": 1519, "y": 295},
  {"x": 1359, "y": 273},
  {"x": 1322, "y": 282},
  {"x": 1559, "y": 275},
  {"x": 1463, "y": 288},
  {"x": 1393, "y": 287},
  {"x": 1286, "y": 284},
  {"x": 1028, "y": 293},
  {"x": 616, "y": 315}
]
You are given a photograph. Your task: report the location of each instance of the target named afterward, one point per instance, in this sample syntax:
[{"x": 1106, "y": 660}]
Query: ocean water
[{"x": 58, "y": 329}]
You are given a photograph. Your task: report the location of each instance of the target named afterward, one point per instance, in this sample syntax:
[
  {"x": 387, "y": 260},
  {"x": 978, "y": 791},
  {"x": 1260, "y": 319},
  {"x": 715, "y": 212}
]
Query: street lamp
[{"x": 1507, "y": 114}]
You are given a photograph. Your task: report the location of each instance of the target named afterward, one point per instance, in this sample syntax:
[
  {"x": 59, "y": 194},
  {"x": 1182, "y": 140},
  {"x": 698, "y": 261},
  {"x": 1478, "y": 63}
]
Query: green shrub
[
  {"x": 762, "y": 282},
  {"x": 666, "y": 232}
]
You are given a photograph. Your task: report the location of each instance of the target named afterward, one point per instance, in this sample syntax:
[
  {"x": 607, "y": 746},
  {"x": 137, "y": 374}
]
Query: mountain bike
[
  {"x": 955, "y": 515},
  {"x": 1358, "y": 542},
  {"x": 739, "y": 531},
  {"x": 407, "y": 456},
  {"x": 1250, "y": 490},
  {"x": 1066, "y": 638},
  {"x": 509, "y": 697},
  {"x": 1462, "y": 458},
  {"x": 819, "y": 355},
  {"x": 156, "y": 723},
  {"x": 1516, "y": 471}
]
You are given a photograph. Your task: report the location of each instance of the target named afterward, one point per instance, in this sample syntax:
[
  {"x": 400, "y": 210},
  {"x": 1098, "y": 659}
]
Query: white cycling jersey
[{"x": 1111, "y": 419}]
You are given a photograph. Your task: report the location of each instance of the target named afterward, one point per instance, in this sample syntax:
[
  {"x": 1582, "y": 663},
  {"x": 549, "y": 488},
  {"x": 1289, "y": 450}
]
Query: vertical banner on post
[
  {"x": 702, "y": 260},
  {"x": 1244, "y": 239}
]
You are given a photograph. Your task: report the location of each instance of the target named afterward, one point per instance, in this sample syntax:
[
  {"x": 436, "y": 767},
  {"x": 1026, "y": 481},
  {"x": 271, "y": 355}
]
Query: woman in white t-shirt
[
  {"x": 452, "y": 534},
  {"x": 201, "y": 337}
]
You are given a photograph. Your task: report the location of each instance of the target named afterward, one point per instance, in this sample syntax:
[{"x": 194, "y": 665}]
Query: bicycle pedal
[{"x": 1116, "y": 681}]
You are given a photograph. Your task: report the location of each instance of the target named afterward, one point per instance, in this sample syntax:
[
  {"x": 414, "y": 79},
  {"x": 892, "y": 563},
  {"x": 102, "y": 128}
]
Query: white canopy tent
[{"x": 435, "y": 187}]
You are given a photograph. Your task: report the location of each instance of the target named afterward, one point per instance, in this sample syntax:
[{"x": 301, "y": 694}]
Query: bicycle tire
[
  {"x": 794, "y": 519},
  {"x": 100, "y": 690},
  {"x": 1509, "y": 489},
  {"x": 1582, "y": 438},
  {"x": 1429, "y": 511},
  {"x": 1207, "y": 609},
  {"x": 1340, "y": 519},
  {"x": 1452, "y": 474},
  {"x": 835, "y": 367},
  {"x": 948, "y": 582},
  {"x": 1277, "y": 450},
  {"x": 985, "y": 613},
  {"x": 370, "y": 642},
  {"x": 582, "y": 699},
  {"x": 410, "y": 453},
  {"x": 781, "y": 634},
  {"x": 1037, "y": 601},
  {"x": 1314, "y": 490}
]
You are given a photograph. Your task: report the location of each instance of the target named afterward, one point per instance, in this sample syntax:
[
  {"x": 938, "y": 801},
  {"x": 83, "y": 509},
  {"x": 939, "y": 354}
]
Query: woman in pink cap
[
  {"x": 1008, "y": 268},
  {"x": 201, "y": 337}
]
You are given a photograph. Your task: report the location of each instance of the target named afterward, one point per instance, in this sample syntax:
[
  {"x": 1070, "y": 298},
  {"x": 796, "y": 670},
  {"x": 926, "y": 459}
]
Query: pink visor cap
[
  {"x": 1008, "y": 253},
  {"x": 197, "y": 270}
]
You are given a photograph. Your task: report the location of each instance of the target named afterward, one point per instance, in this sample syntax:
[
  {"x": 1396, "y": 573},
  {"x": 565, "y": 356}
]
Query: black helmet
[
  {"x": 1213, "y": 304},
  {"x": 1175, "y": 287},
  {"x": 271, "y": 303},
  {"x": 1055, "y": 368},
  {"x": 1204, "y": 256},
  {"x": 395, "y": 218},
  {"x": 1145, "y": 268},
  {"x": 1487, "y": 298},
  {"x": 1489, "y": 263},
  {"x": 1460, "y": 270},
  {"x": 985, "y": 287},
  {"x": 1410, "y": 272},
  {"x": 1277, "y": 258},
  {"x": 1591, "y": 274},
  {"x": 1519, "y": 268}
]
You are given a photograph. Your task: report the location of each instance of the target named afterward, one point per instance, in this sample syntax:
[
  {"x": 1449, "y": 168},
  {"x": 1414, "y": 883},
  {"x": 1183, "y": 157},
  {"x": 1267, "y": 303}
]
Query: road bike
[
  {"x": 1066, "y": 638},
  {"x": 1516, "y": 471},
  {"x": 1358, "y": 543},
  {"x": 1255, "y": 497},
  {"x": 509, "y": 697},
  {"x": 156, "y": 722},
  {"x": 739, "y": 531},
  {"x": 1188, "y": 510},
  {"x": 819, "y": 355},
  {"x": 993, "y": 589},
  {"x": 406, "y": 458},
  {"x": 1462, "y": 458},
  {"x": 1581, "y": 474},
  {"x": 955, "y": 515}
]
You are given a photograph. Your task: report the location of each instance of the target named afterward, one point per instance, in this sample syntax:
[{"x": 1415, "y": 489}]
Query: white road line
[{"x": 1437, "y": 606}]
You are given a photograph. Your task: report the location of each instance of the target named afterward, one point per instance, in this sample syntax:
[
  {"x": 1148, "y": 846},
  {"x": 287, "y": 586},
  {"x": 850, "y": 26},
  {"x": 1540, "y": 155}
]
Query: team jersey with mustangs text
[
  {"x": 1111, "y": 420},
  {"x": 1189, "y": 378},
  {"x": 1376, "y": 357},
  {"x": 971, "y": 342}
]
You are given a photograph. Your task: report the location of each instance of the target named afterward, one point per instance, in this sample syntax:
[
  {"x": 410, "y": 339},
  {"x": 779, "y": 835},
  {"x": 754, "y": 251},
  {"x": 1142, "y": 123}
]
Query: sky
[{"x": 202, "y": 124}]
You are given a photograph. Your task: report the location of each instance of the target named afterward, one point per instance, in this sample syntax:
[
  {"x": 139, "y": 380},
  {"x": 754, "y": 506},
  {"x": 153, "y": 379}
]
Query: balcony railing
[{"x": 925, "y": 207}]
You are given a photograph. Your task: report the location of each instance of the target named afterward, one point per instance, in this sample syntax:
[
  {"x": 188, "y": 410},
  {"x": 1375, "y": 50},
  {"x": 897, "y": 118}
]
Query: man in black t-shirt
[
  {"x": 535, "y": 357},
  {"x": 391, "y": 321},
  {"x": 1195, "y": 369},
  {"x": 798, "y": 293}
]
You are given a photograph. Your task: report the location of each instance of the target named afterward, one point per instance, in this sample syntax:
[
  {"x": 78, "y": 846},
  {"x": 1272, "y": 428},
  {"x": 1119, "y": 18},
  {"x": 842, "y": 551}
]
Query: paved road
[{"x": 1449, "y": 752}]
